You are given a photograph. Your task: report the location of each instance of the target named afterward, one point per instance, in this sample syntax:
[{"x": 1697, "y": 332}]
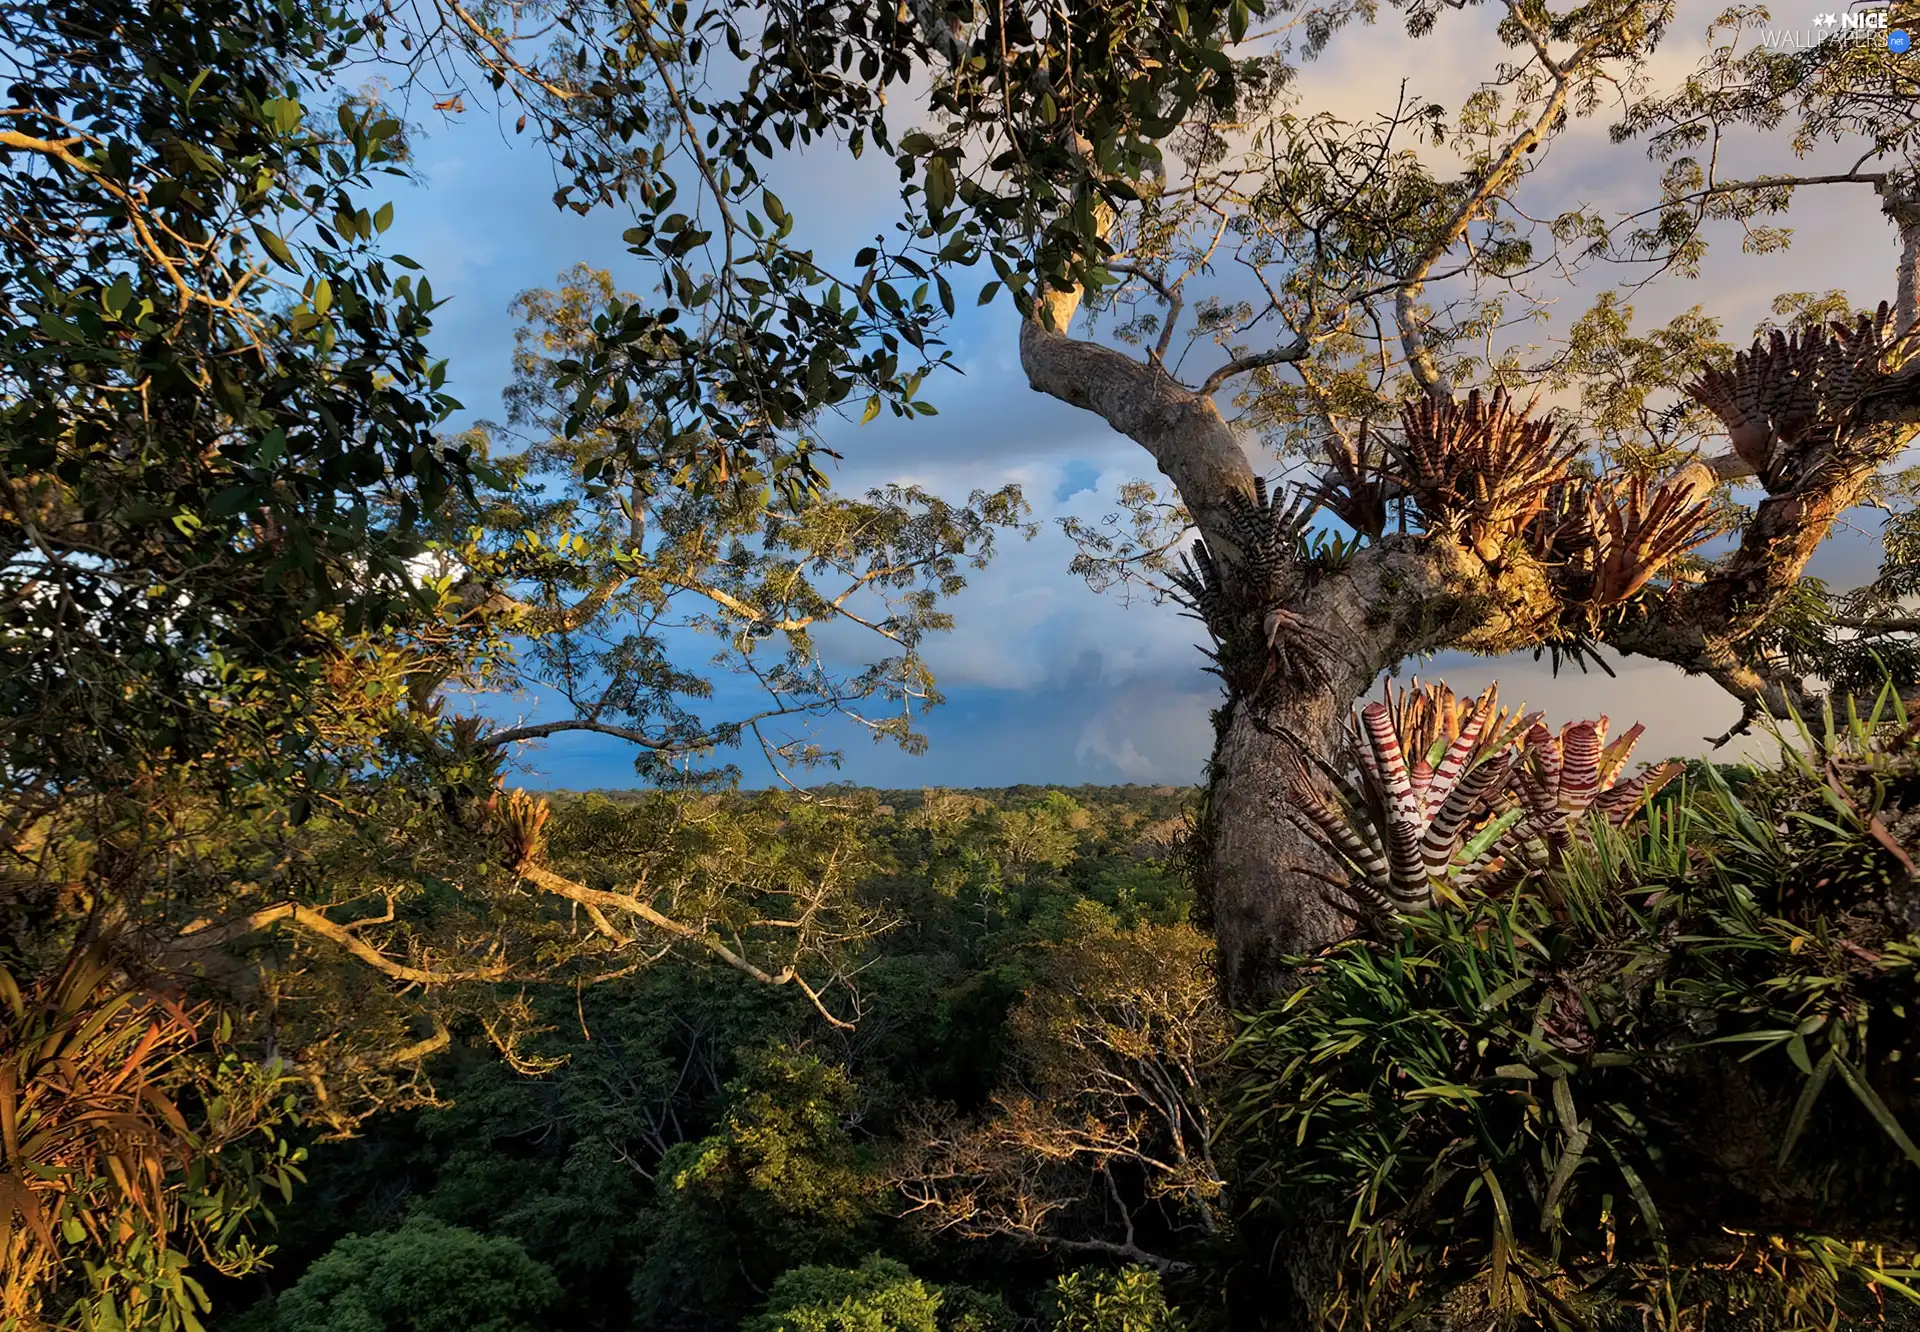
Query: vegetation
[
  {"x": 426, "y": 1277},
  {"x": 1499, "y": 1107},
  {"x": 1420, "y": 1015}
]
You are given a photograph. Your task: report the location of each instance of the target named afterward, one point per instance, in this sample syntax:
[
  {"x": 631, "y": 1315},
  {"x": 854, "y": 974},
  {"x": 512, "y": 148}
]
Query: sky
[{"x": 1046, "y": 681}]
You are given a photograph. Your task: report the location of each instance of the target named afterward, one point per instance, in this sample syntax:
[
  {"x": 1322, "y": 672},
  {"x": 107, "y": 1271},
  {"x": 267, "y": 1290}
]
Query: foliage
[
  {"x": 878, "y": 1296},
  {"x": 219, "y": 411},
  {"x": 1672, "y": 1071},
  {"x": 629, "y": 567},
  {"x": 677, "y": 1141},
  {"x": 1129, "y": 1300},
  {"x": 131, "y": 1149},
  {"x": 1100, "y": 1139},
  {"x": 423, "y": 1277}
]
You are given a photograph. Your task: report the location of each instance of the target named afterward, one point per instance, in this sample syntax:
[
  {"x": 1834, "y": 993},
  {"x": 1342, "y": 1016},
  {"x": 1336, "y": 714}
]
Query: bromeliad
[{"x": 1486, "y": 799}]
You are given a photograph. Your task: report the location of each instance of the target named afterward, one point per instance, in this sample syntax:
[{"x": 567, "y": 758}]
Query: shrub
[
  {"x": 1130, "y": 1300},
  {"x": 423, "y": 1277},
  {"x": 878, "y": 1296}
]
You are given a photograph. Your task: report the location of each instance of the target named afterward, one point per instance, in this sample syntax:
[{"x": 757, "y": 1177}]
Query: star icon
[{"x": 1825, "y": 20}]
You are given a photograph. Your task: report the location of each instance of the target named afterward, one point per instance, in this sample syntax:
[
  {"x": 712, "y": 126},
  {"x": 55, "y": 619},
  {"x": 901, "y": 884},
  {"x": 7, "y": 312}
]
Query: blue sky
[{"x": 1045, "y": 681}]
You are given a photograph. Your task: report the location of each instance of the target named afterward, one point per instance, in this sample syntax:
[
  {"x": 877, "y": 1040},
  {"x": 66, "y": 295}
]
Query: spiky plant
[
  {"x": 1355, "y": 486},
  {"x": 1559, "y": 782},
  {"x": 1330, "y": 552},
  {"x": 1401, "y": 828},
  {"x": 1258, "y": 639},
  {"x": 113, "y": 1129},
  {"x": 1800, "y": 390},
  {"x": 1670, "y": 1084},
  {"x": 1428, "y": 716},
  {"x": 1459, "y": 799},
  {"x": 1639, "y": 531},
  {"x": 1268, "y": 528},
  {"x": 1480, "y": 470},
  {"x": 520, "y": 822}
]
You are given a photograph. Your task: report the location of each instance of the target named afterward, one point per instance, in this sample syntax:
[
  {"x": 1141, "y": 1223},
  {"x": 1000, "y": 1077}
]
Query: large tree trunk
[
  {"x": 1291, "y": 681},
  {"x": 1257, "y": 892},
  {"x": 1268, "y": 884}
]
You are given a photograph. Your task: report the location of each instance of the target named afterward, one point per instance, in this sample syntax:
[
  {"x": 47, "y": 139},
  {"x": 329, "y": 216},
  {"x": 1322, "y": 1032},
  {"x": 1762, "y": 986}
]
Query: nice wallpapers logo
[{"x": 1854, "y": 25}]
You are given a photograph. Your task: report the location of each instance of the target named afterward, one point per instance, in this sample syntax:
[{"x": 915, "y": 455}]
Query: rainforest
[{"x": 978, "y": 699}]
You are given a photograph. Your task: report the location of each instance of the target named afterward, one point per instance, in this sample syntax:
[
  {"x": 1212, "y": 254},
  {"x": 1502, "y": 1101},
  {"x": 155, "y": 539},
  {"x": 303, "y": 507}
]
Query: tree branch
[
  {"x": 316, "y": 923},
  {"x": 1420, "y": 361},
  {"x": 1287, "y": 355},
  {"x": 600, "y": 899},
  {"x": 541, "y": 730}
]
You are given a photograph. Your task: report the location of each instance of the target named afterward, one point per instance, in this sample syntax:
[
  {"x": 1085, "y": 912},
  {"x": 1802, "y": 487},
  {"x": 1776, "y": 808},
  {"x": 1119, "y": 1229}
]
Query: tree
[
  {"x": 782, "y": 1179},
  {"x": 1472, "y": 520},
  {"x": 423, "y": 1277},
  {"x": 241, "y": 576},
  {"x": 878, "y": 1296},
  {"x": 1100, "y": 1140}
]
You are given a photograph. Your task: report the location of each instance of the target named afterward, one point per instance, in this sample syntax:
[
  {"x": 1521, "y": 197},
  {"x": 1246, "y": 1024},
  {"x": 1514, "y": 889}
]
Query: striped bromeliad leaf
[
  {"x": 1401, "y": 828},
  {"x": 1463, "y": 815},
  {"x": 1561, "y": 781},
  {"x": 1428, "y": 717}
]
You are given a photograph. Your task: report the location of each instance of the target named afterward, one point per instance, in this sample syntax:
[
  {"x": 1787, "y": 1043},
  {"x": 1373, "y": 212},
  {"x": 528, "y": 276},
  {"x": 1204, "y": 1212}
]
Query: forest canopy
[{"x": 1419, "y": 1010}]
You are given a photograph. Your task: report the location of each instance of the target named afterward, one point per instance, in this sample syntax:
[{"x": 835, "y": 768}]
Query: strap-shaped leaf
[
  {"x": 1334, "y": 824},
  {"x": 1580, "y": 775},
  {"x": 1619, "y": 802},
  {"x": 1441, "y": 845}
]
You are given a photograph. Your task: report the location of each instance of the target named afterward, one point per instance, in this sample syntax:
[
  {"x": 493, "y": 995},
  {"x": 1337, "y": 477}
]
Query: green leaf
[
  {"x": 1571, "y": 1157},
  {"x": 873, "y": 409},
  {"x": 1876, "y": 1107},
  {"x": 117, "y": 297},
  {"x": 939, "y": 185},
  {"x": 275, "y": 247},
  {"x": 1642, "y": 1200},
  {"x": 383, "y": 217},
  {"x": 1803, "y": 1108},
  {"x": 1797, "y": 1051}
]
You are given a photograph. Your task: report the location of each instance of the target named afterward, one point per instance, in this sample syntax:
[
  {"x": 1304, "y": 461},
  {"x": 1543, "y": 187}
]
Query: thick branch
[
  {"x": 1900, "y": 201},
  {"x": 1183, "y": 430},
  {"x": 1892, "y": 625},
  {"x": 316, "y": 923},
  {"x": 599, "y": 901},
  {"x": 1129, "y": 1251}
]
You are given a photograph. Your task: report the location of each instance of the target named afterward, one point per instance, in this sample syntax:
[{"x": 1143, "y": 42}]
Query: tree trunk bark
[{"x": 1256, "y": 900}]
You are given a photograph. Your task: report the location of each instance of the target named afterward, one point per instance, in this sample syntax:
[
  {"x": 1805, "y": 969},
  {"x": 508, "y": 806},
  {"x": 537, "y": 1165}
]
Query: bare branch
[
  {"x": 1293, "y": 352},
  {"x": 313, "y": 922},
  {"x": 600, "y": 899}
]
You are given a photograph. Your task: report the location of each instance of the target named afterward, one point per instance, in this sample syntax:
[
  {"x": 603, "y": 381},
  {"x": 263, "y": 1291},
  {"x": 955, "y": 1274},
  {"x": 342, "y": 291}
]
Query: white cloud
[{"x": 1147, "y": 734}]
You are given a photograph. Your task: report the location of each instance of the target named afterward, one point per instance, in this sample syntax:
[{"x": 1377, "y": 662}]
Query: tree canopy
[{"x": 265, "y": 875}]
